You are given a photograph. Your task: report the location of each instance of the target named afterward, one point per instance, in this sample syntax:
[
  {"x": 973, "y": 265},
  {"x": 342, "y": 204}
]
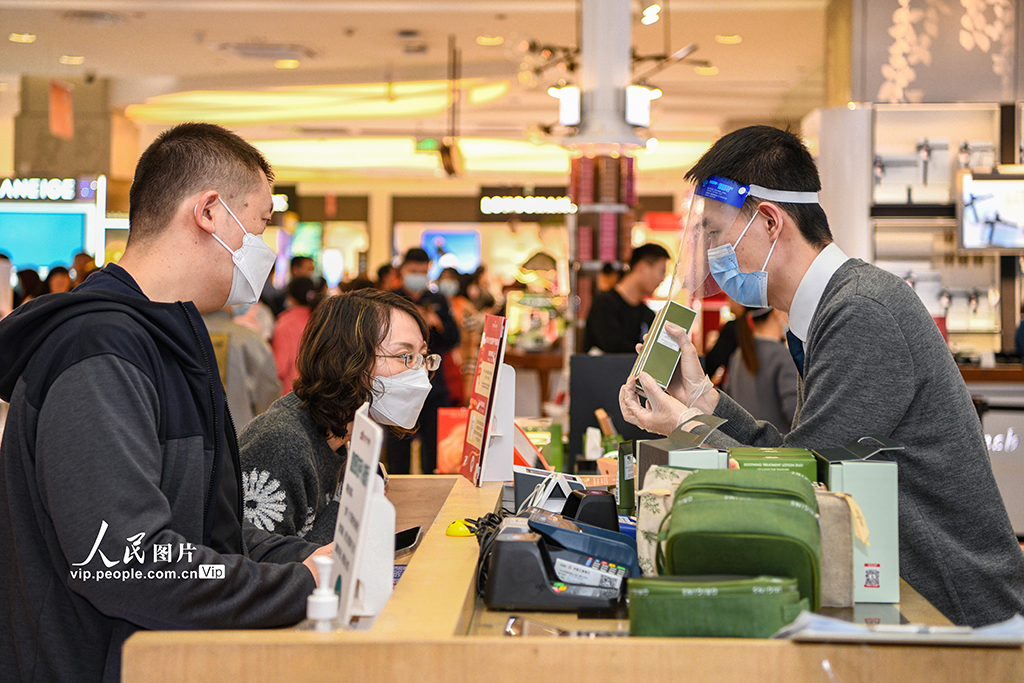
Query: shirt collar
[{"x": 812, "y": 286}]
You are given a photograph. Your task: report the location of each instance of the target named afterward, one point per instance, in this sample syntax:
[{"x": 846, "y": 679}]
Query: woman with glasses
[{"x": 366, "y": 345}]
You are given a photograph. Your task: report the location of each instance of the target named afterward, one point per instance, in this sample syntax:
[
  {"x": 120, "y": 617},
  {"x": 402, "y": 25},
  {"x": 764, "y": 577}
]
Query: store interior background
[{"x": 869, "y": 83}]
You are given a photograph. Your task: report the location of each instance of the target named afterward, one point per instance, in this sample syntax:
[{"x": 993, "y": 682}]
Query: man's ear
[
  {"x": 202, "y": 212},
  {"x": 774, "y": 218}
]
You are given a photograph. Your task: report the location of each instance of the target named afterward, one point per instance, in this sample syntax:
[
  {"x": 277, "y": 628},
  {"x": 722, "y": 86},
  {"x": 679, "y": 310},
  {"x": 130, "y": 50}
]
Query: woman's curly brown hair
[{"x": 338, "y": 351}]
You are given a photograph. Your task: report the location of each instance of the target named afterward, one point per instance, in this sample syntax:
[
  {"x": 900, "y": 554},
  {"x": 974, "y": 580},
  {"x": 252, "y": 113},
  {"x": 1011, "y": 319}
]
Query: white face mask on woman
[
  {"x": 398, "y": 399},
  {"x": 253, "y": 261}
]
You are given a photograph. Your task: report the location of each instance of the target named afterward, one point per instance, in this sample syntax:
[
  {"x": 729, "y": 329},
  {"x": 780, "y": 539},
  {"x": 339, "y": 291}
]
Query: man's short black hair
[
  {"x": 190, "y": 158},
  {"x": 416, "y": 255},
  {"x": 298, "y": 261},
  {"x": 650, "y": 252},
  {"x": 772, "y": 158}
]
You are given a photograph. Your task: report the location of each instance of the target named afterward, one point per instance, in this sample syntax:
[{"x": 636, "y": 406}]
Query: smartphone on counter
[{"x": 406, "y": 541}]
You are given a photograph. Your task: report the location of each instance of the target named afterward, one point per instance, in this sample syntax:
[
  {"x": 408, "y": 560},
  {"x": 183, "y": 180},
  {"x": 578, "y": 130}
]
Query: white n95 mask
[
  {"x": 398, "y": 399},
  {"x": 253, "y": 261}
]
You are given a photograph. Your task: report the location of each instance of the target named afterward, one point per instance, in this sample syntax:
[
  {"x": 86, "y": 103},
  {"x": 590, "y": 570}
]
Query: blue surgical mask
[
  {"x": 749, "y": 289},
  {"x": 415, "y": 282},
  {"x": 448, "y": 288}
]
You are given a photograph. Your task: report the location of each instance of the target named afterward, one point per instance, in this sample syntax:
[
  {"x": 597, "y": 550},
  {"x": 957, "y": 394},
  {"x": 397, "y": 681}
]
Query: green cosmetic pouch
[
  {"x": 712, "y": 606},
  {"x": 744, "y": 522}
]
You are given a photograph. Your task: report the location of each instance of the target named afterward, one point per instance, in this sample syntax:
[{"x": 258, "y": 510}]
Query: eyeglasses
[{"x": 415, "y": 361}]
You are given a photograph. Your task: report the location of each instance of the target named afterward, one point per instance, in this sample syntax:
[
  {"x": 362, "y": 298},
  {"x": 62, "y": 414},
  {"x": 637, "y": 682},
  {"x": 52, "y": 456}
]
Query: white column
[{"x": 844, "y": 163}]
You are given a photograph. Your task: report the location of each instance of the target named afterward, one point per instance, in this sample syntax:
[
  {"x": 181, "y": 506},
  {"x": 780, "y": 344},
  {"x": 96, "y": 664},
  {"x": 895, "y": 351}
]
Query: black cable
[{"x": 486, "y": 530}]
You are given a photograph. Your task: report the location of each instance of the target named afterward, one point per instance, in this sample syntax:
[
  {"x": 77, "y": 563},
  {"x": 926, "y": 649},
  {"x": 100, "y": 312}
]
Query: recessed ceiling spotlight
[
  {"x": 22, "y": 37},
  {"x": 706, "y": 70},
  {"x": 93, "y": 17},
  {"x": 72, "y": 60},
  {"x": 734, "y": 39},
  {"x": 286, "y": 64},
  {"x": 650, "y": 15},
  {"x": 489, "y": 41}
]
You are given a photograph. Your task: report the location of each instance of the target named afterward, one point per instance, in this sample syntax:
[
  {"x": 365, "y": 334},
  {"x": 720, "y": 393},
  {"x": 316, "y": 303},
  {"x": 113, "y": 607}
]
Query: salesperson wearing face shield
[{"x": 871, "y": 359}]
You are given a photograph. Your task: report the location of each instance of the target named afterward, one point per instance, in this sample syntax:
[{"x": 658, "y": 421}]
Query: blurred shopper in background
[
  {"x": 81, "y": 267},
  {"x": 387, "y": 278},
  {"x": 444, "y": 336},
  {"x": 301, "y": 266},
  {"x": 762, "y": 376},
  {"x": 354, "y": 349},
  {"x": 246, "y": 365},
  {"x": 608, "y": 277},
  {"x": 57, "y": 280},
  {"x": 301, "y": 296},
  {"x": 724, "y": 346},
  {"x": 454, "y": 286},
  {"x": 619, "y": 318},
  {"x": 29, "y": 286}
]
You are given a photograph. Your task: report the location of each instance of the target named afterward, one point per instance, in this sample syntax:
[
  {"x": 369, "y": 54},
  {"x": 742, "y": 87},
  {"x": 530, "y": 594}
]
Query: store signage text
[
  {"x": 45, "y": 189},
  {"x": 504, "y": 205},
  {"x": 1002, "y": 442}
]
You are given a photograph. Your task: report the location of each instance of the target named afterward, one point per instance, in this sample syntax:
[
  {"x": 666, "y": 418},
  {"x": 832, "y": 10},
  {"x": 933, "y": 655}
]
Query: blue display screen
[{"x": 41, "y": 240}]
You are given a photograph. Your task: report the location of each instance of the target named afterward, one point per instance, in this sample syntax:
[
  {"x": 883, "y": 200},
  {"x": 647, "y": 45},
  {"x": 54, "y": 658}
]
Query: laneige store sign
[{"x": 43, "y": 189}]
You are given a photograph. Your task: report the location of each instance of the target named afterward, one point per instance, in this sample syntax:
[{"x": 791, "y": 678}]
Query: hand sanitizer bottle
[{"x": 322, "y": 604}]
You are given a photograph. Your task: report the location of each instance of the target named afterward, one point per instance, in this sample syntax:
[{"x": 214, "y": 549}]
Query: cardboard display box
[{"x": 873, "y": 485}]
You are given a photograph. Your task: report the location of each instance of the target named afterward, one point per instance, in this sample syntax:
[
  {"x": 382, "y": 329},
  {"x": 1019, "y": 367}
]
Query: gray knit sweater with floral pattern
[{"x": 289, "y": 473}]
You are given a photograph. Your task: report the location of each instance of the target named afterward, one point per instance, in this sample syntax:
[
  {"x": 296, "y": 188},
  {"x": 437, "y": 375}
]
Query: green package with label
[
  {"x": 747, "y": 522},
  {"x": 797, "y": 460},
  {"x": 713, "y": 606},
  {"x": 660, "y": 353}
]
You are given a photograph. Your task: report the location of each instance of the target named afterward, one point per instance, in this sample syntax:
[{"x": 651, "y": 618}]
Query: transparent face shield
[
  {"x": 714, "y": 210},
  {"x": 713, "y": 221}
]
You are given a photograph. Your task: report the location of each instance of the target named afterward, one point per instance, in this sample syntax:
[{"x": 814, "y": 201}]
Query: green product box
[
  {"x": 873, "y": 485},
  {"x": 660, "y": 353},
  {"x": 796, "y": 460}
]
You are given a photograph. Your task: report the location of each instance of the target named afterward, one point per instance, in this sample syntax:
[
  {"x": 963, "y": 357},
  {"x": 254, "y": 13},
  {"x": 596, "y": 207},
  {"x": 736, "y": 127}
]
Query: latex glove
[
  {"x": 689, "y": 384},
  {"x": 662, "y": 414}
]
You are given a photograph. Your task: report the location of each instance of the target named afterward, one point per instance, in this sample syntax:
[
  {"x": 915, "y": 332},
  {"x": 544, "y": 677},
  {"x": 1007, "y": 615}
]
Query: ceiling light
[
  {"x": 22, "y": 37},
  {"x": 648, "y": 19},
  {"x": 71, "y": 60},
  {"x": 93, "y": 17},
  {"x": 489, "y": 41},
  {"x": 706, "y": 70},
  {"x": 734, "y": 39},
  {"x": 268, "y": 51},
  {"x": 286, "y": 64}
]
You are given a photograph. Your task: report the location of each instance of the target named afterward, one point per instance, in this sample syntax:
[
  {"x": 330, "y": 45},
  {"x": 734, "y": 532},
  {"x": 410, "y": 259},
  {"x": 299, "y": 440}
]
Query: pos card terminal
[{"x": 530, "y": 569}]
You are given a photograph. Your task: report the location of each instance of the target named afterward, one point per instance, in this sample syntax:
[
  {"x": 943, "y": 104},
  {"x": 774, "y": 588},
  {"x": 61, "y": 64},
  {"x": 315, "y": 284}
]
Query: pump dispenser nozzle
[{"x": 322, "y": 604}]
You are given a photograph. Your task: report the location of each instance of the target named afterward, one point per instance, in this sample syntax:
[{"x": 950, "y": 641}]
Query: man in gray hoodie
[{"x": 120, "y": 493}]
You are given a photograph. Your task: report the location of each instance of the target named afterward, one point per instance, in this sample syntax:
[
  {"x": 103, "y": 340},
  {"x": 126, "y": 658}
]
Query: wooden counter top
[
  {"x": 420, "y": 637},
  {"x": 1000, "y": 373}
]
